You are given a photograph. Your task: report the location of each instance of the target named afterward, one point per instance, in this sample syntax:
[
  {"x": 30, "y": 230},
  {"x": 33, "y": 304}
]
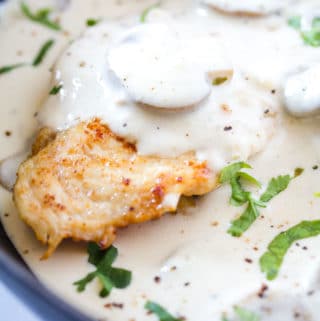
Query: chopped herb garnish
[
  {"x": 243, "y": 315},
  {"x": 160, "y": 312},
  {"x": 246, "y": 315},
  {"x": 248, "y": 217},
  {"x": 108, "y": 276},
  {"x": 295, "y": 22},
  {"x": 275, "y": 187},
  {"x": 219, "y": 81},
  {"x": 145, "y": 13},
  {"x": 271, "y": 261},
  {"x": 42, "y": 52},
  {"x": 232, "y": 171},
  {"x": 6, "y": 69},
  {"x": 233, "y": 175},
  {"x": 55, "y": 90},
  {"x": 41, "y": 16},
  {"x": 92, "y": 22},
  {"x": 311, "y": 37}
]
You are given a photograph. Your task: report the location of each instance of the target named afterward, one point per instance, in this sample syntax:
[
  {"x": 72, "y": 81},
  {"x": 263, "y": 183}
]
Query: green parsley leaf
[
  {"x": 108, "y": 276},
  {"x": 219, "y": 81},
  {"x": 271, "y": 261},
  {"x": 41, "y": 16},
  {"x": 250, "y": 179},
  {"x": 160, "y": 312},
  {"x": 242, "y": 224},
  {"x": 232, "y": 174},
  {"x": 311, "y": 37},
  {"x": 81, "y": 284},
  {"x": 295, "y": 22},
  {"x": 42, "y": 52},
  {"x": 275, "y": 187},
  {"x": 145, "y": 13},
  {"x": 92, "y": 22},
  {"x": 6, "y": 69},
  {"x": 55, "y": 90},
  {"x": 245, "y": 315},
  {"x": 231, "y": 171},
  {"x": 238, "y": 196}
]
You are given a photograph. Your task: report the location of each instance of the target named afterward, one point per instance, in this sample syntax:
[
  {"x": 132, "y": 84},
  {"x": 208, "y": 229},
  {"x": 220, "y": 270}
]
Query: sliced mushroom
[{"x": 158, "y": 66}]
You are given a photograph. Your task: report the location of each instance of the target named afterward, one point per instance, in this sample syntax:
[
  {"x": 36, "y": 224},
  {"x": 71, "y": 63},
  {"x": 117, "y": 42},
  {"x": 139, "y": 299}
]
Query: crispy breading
[{"x": 87, "y": 182}]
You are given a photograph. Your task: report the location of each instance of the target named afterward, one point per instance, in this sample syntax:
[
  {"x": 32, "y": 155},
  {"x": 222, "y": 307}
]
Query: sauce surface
[{"x": 203, "y": 271}]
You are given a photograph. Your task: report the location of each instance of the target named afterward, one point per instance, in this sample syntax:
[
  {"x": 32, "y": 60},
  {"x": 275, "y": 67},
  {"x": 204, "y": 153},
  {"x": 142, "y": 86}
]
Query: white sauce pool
[{"x": 211, "y": 272}]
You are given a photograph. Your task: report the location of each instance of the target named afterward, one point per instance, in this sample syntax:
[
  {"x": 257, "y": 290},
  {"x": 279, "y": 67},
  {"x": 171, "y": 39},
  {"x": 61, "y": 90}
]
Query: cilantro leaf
[
  {"x": 246, "y": 315},
  {"x": 295, "y": 22},
  {"x": 247, "y": 177},
  {"x": 92, "y": 22},
  {"x": 6, "y": 69},
  {"x": 120, "y": 278},
  {"x": 233, "y": 175},
  {"x": 42, "y": 52},
  {"x": 41, "y": 16},
  {"x": 311, "y": 37},
  {"x": 242, "y": 224},
  {"x": 106, "y": 283},
  {"x": 81, "y": 284},
  {"x": 271, "y": 261},
  {"x": 238, "y": 196},
  {"x": 231, "y": 171},
  {"x": 160, "y": 312},
  {"x": 243, "y": 315},
  {"x": 145, "y": 13},
  {"x": 108, "y": 276},
  {"x": 275, "y": 187},
  {"x": 55, "y": 90}
]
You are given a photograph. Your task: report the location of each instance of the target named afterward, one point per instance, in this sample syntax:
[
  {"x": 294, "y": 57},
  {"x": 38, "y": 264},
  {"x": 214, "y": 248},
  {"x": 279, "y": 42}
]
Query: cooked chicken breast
[{"x": 87, "y": 182}]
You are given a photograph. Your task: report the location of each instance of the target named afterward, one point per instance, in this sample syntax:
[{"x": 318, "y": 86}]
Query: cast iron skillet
[{"x": 16, "y": 275}]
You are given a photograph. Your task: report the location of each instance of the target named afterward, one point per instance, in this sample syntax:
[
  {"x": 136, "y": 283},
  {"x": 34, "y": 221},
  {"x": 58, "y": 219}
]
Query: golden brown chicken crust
[{"x": 87, "y": 182}]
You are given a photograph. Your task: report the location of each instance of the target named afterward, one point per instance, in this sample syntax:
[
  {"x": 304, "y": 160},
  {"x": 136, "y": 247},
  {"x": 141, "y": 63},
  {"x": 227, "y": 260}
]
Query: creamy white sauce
[
  {"x": 301, "y": 92},
  {"x": 153, "y": 85},
  {"x": 211, "y": 273}
]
